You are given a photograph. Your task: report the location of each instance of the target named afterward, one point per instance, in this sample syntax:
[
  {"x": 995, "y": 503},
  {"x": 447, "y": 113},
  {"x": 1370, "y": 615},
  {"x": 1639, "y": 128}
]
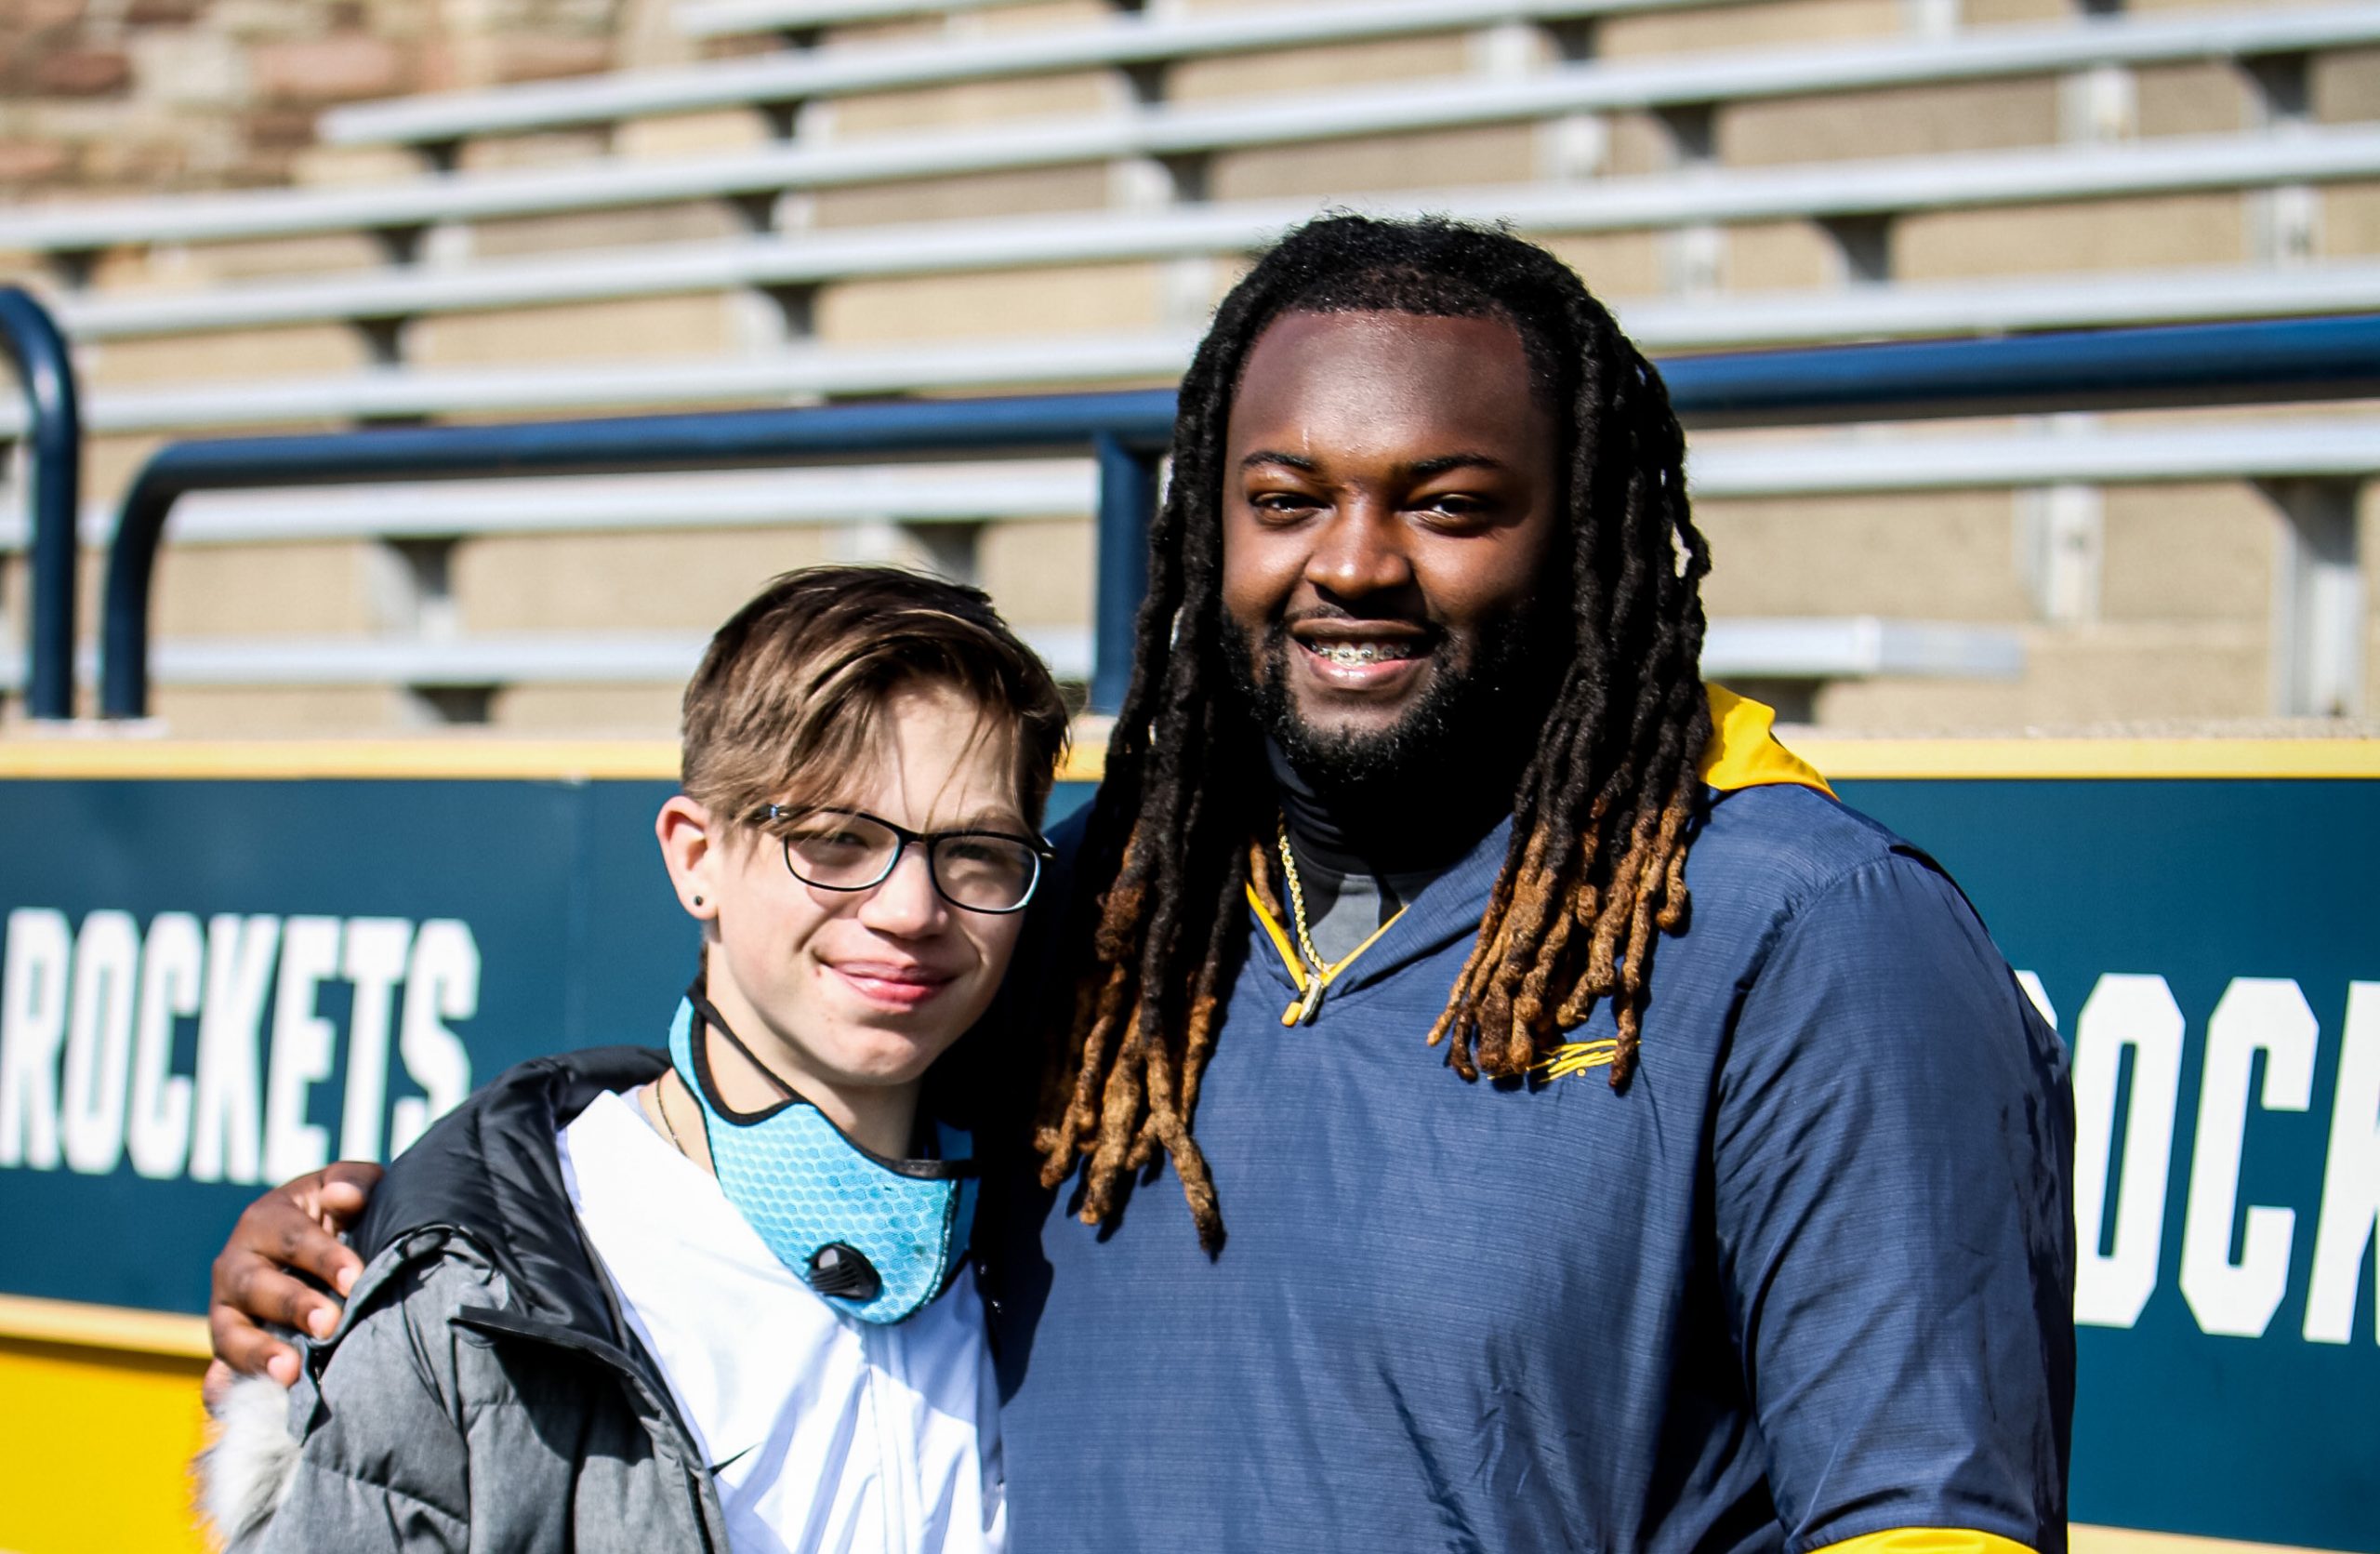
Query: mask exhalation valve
[{"x": 840, "y": 1270}]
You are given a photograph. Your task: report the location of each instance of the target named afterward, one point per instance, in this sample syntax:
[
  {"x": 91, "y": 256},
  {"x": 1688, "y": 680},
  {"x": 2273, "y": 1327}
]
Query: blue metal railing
[
  {"x": 1127, "y": 432},
  {"x": 1128, "y": 429},
  {"x": 2261, "y": 362},
  {"x": 54, "y": 471}
]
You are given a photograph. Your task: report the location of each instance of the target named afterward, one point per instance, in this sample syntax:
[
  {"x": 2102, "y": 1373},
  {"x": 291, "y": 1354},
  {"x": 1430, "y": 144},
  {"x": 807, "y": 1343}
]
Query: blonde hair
[{"x": 792, "y": 690}]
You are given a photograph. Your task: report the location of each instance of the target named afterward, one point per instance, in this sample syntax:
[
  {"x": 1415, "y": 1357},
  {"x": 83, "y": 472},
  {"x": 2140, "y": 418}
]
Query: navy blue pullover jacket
[{"x": 1807, "y": 1278}]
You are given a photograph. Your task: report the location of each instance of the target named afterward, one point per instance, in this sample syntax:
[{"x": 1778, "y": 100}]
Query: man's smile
[{"x": 1361, "y": 655}]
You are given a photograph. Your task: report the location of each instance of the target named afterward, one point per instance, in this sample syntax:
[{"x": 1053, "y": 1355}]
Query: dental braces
[{"x": 1362, "y": 653}]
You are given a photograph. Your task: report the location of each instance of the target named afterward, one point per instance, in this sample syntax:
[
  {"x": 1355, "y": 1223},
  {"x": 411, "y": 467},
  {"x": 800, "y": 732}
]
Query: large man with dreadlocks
[
  {"x": 1494, "y": 1097},
  {"x": 1591, "y": 1135}
]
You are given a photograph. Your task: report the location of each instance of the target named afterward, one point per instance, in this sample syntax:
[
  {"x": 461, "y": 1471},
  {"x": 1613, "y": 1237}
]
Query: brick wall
[{"x": 131, "y": 97}]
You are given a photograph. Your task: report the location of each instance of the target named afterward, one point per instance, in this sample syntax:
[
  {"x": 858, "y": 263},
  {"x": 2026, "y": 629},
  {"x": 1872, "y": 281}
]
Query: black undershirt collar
[{"x": 1401, "y": 853}]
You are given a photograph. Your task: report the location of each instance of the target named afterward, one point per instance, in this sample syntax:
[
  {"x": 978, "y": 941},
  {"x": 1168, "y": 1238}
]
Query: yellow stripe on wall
[
  {"x": 2092, "y": 758},
  {"x": 95, "y": 1447},
  {"x": 101, "y": 758},
  {"x": 104, "y": 759},
  {"x": 103, "y": 1327}
]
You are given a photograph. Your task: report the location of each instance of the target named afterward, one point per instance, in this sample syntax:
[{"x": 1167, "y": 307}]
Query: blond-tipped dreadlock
[{"x": 1602, "y": 815}]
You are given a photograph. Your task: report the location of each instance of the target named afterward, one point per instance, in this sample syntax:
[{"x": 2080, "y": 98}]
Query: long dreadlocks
[{"x": 1601, "y": 814}]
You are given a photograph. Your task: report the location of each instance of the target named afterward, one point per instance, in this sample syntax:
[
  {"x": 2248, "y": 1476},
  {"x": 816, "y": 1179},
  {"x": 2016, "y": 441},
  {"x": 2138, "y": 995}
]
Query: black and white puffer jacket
[{"x": 482, "y": 1391}]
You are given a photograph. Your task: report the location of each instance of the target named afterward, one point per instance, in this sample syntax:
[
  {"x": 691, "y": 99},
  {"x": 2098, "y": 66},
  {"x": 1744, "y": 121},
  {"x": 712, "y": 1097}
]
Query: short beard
[{"x": 1474, "y": 725}]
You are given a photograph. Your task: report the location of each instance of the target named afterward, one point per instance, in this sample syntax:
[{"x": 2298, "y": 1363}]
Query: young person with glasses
[{"x": 717, "y": 1297}]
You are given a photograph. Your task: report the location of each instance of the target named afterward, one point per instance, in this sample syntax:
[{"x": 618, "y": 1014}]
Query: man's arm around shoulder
[{"x": 368, "y": 1451}]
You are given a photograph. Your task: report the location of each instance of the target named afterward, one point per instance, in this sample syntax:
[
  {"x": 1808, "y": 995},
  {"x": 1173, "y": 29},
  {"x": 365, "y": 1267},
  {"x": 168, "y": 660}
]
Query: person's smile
[
  {"x": 896, "y": 986},
  {"x": 1362, "y": 656}
]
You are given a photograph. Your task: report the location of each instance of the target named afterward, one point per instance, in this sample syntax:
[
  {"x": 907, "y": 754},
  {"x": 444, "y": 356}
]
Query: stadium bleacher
[
  {"x": 1652, "y": 202},
  {"x": 894, "y": 198}
]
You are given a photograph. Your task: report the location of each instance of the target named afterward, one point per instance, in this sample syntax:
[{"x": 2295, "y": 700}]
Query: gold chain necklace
[{"x": 1303, "y": 1010}]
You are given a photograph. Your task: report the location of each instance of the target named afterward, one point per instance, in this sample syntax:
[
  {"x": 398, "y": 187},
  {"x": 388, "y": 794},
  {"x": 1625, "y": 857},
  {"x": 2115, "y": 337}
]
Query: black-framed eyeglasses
[{"x": 850, "y": 849}]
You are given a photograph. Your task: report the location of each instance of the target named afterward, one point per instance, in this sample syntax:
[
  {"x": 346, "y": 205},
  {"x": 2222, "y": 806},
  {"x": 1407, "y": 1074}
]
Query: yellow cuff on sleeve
[{"x": 1927, "y": 1540}]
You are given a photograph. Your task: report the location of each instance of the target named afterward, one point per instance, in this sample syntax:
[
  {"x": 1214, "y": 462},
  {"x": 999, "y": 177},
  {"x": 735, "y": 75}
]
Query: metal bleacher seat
[
  {"x": 959, "y": 492},
  {"x": 967, "y": 492},
  {"x": 1835, "y": 190},
  {"x": 1848, "y": 648},
  {"x": 814, "y": 74},
  {"x": 1895, "y": 185},
  {"x": 1162, "y": 130},
  {"x": 1849, "y": 193},
  {"x": 817, "y": 74}
]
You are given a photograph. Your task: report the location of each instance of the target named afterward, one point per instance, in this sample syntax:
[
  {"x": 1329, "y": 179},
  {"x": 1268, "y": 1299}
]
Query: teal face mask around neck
[{"x": 878, "y": 1238}]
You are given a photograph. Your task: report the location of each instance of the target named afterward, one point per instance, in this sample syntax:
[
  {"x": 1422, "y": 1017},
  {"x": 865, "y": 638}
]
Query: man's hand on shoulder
[{"x": 292, "y": 1229}]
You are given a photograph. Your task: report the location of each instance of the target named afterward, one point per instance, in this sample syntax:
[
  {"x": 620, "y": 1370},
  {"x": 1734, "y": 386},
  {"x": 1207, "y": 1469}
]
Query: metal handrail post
[
  {"x": 1127, "y": 500},
  {"x": 54, "y": 470}
]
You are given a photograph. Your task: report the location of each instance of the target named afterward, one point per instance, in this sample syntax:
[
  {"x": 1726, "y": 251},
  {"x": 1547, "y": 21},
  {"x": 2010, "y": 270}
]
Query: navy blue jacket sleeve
[{"x": 1893, "y": 1144}]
